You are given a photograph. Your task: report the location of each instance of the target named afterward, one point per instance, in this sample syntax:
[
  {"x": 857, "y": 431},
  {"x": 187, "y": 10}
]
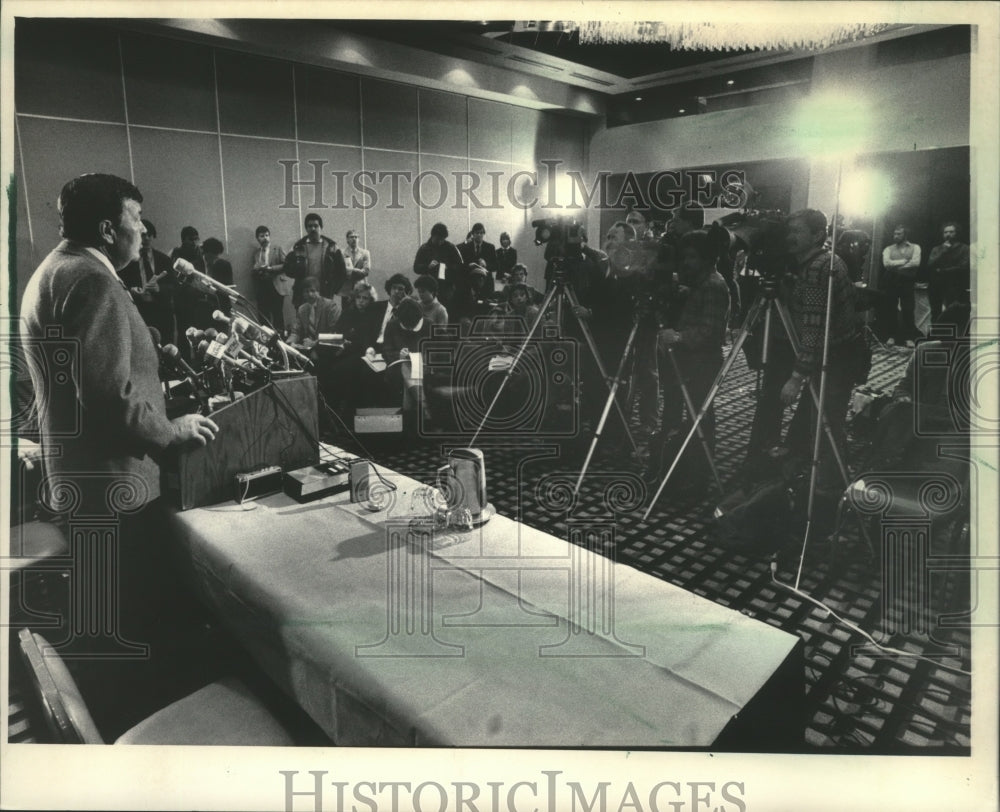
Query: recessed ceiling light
[
  {"x": 682, "y": 110},
  {"x": 638, "y": 98},
  {"x": 730, "y": 82}
]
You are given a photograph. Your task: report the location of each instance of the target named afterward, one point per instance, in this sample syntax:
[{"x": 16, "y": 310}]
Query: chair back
[{"x": 65, "y": 711}]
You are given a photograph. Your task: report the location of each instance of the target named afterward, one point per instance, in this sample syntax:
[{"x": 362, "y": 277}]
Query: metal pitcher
[{"x": 463, "y": 481}]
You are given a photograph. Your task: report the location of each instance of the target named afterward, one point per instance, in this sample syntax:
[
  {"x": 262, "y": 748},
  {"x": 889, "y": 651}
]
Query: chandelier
[{"x": 710, "y": 36}]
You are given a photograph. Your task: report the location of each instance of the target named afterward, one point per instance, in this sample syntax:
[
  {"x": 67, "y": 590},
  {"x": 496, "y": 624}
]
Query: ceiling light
[
  {"x": 730, "y": 82},
  {"x": 638, "y": 98},
  {"x": 682, "y": 110}
]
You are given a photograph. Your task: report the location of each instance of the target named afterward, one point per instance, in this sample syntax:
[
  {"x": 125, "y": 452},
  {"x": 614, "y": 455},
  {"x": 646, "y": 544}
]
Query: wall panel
[
  {"x": 178, "y": 192},
  {"x": 490, "y": 130},
  {"x": 57, "y": 151},
  {"x": 169, "y": 83},
  {"x": 328, "y": 105},
  {"x": 255, "y": 95},
  {"x": 444, "y": 126},
  {"x": 68, "y": 69},
  {"x": 255, "y": 193},
  {"x": 389, "y": 115},
  {"x": 393, "y": 235}
]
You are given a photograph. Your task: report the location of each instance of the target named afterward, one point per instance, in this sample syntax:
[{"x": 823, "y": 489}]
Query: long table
[{"x": 390, "y": 633}]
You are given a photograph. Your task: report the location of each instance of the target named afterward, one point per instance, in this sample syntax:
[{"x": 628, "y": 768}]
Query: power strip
[{"x": 254, "y": 484}]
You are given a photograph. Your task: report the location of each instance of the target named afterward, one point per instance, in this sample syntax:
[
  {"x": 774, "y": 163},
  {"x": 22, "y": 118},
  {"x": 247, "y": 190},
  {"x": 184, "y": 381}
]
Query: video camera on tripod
[{"x": 557, "y": 234}]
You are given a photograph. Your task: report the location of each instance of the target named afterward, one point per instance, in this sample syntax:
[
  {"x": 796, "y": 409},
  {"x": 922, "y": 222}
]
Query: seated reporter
[
  {"x": 425, "y": 290},
  {"x": 517, "y": 315},
  {"x": 403, "y": 335},
  {"x": 695, "y": 344},
  {"x": 361, "y": 320},
  {"x": 316, "y": 315},
  {"x": 519, "y": 275}
]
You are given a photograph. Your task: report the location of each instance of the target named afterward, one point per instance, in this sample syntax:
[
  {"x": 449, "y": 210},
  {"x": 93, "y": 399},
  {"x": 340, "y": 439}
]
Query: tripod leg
[
  {"x": 607, "y": 407},
  {"x": 730, "y": 360},
  {"x": 510, "y": 370},
  {"x": 786, "y": 320},
  {"x": 691, "y": 412},
  {"x": 600, "y": 366}
]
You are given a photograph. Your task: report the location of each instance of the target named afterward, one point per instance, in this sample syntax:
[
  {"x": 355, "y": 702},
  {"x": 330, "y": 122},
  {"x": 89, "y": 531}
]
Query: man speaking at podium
[{"x": 102, "y": 416}]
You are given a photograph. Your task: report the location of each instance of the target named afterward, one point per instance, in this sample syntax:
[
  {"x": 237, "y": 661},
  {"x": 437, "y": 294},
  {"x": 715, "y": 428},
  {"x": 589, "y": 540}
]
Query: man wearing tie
[
  {"x": 148, "y": 281},
  {"x": 274, "y": 289},
  {"x": 481, "y": 254},
  {"x": 358, "y": 260},
  {"x": 316, "y": 315}
]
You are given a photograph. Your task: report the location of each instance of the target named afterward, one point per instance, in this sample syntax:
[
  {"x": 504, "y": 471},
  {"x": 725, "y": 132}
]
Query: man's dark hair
[
  {"x": 150, "y": 228},
  {"x": 313, "y": 217},
  {"x": 409, "y": 314},
  {"x": 953, "y": 224},
  {"x": 261, "y": 230},
  {"x": 189, "y": 233},
  {"x": 398, "y": 279},
  {"x": 698, "y": 240},
  {"x": 439, "y": 230},
  {"x": 504, "y": 234},
  {"x": 899, "y": 226},
  {"x": 425, "y": 282},
  {"x": 86, "y": 201},
  {"x": 521, "y": 287},
  {"x": 478, "y": 227},
  {"x": 213, "y": 246},
  {"x": 814, "y": 219}
]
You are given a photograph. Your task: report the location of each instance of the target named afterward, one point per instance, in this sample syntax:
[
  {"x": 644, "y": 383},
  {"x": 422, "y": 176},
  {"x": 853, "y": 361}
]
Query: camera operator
[
  {"x": 696, "y": 344},
  {"x": 786, "y": 374}
]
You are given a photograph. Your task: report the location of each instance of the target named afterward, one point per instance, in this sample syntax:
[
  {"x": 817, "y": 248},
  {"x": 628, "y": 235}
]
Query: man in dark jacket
[
  {"x": 316, "y": 257},
  {"x": 479, "y": 253},
  {"x": 441, "y": 259},
  {"x": 152, "y": 286}
]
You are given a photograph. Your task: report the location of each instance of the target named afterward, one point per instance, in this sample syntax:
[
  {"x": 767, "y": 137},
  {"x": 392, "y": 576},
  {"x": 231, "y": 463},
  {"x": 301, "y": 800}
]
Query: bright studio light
[
  {"x": 832, "y": 124},
  {"x": 864, "y": 193}
]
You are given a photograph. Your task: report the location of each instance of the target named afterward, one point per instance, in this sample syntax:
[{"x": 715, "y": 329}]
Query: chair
[{"x": 223, "y": 713}]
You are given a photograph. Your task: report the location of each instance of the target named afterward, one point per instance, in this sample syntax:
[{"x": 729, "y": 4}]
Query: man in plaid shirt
[
  {"x": 696, "y": 344},
  {"x": 787, "y": 373}
]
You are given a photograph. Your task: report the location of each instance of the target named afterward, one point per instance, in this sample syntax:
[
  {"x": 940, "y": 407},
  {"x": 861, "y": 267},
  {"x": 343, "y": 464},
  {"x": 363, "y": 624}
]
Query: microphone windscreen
[
  {"x": 182, "y": 266},
  {"x": 211, "y": 333},
  {"x": 202, "y": 348},
  {"x": 155, "y": 334},
  {"x": 171, "y": 352},
  {"x": 218, "y": 315}
]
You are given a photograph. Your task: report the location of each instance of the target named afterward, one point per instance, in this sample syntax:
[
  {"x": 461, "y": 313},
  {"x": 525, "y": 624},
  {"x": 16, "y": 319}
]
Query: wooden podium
[{"x": 275, "y": 425}]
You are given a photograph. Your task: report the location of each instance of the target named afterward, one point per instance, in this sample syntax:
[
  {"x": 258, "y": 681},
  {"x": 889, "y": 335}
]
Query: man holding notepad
[{"x": 441, "y": 259}]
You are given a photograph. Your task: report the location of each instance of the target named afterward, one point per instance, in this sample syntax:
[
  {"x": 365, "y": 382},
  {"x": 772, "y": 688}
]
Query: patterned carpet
[{"x": 859, "y": 699}]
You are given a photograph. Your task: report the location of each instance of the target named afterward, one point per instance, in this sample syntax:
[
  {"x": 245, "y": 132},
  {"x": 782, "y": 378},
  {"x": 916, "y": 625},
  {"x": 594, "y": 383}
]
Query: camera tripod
[
  {"x": 629, "y": 350},
  {"x": 560, "y": 292},
  {"x": 766, "y": 303}
]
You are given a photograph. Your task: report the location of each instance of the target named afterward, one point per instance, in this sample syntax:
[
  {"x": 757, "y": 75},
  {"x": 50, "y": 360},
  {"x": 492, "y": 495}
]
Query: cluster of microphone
[{"x": 222, "y": 364}]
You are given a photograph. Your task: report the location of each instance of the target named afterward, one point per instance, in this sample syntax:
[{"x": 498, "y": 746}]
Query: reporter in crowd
[
  {"x": 273, "y": 287},
  {"x": 441, "y": 259},
  {"x": 787, "y": 373},
  {"x": 315, "y": 256},
  {"x": 695, "y": 344}
]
